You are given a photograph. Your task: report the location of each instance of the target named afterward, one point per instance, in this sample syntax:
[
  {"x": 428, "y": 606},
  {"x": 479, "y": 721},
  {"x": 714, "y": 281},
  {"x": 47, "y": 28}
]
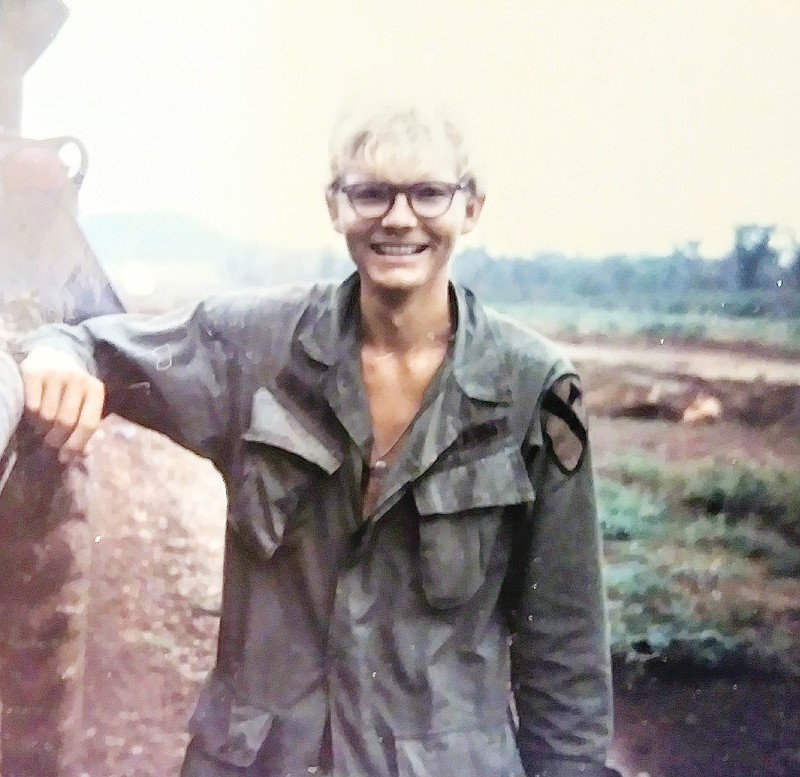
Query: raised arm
[
  {"x": 560, "y": 659},
  {"x": 170, "y": 373}
]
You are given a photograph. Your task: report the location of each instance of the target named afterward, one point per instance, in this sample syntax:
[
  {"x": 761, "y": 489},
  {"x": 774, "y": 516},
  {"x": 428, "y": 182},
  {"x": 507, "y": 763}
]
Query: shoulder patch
[{"x": 566, "y": 423}]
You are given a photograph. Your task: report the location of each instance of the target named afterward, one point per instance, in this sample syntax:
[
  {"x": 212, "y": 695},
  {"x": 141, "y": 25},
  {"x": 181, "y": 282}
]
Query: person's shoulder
[
  {"x": 523, "y": 345},
  {"x": 265, "y": 307},
  {"x": 544, "y": 371}
]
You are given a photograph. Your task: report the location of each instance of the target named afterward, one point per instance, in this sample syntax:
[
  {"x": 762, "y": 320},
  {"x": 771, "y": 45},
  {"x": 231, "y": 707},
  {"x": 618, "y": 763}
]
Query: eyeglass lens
[{"x": 375, "y": 199}]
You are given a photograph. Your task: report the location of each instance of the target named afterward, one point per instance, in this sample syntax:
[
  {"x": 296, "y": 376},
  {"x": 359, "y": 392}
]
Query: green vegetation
[
  {"x": 748, "y": 296},
  {"x": 770, "y": 496},
  {"x": 747, "y": 539},
  {"x": 628, "y": 513},
  {"x": 650, "y": 324},
  {"x": 702, "y": 563}
]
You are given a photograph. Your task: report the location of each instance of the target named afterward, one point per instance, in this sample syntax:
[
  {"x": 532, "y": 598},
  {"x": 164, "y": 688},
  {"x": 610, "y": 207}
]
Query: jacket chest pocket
[
  {"x": 461, "y": 513},
  {"x": 284, "y": 471}
]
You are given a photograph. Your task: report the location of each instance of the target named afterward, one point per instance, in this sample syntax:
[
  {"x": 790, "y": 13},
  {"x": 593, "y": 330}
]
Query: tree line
[{"x": 751, "y": 280}]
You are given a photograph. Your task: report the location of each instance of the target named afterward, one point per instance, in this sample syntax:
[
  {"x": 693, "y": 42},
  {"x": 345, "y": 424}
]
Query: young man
[{"x": 412, "y": 573}]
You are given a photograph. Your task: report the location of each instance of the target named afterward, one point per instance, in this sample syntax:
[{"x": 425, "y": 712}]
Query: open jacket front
[{"x": 387, "y": 646}]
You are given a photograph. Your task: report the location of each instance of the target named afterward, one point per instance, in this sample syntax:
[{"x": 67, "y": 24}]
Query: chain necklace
[{"x": 377, "y": 463}]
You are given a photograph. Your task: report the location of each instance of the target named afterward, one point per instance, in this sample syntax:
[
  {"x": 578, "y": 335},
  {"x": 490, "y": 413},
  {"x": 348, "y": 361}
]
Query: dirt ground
[
  {"x": 158, "y": 527},
  {"x": 158, "y": 524},
  {"x": 759, "y": 396}
]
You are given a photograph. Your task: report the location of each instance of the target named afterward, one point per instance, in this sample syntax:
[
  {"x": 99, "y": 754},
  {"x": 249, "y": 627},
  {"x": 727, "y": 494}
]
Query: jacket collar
[{"x": 479, "y": 364}]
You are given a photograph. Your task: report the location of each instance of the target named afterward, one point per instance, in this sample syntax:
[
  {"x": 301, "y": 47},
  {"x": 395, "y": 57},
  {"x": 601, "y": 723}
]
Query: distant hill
[
  {"x": 167, "y": 238},
  {"x": 158, "y": 235}
]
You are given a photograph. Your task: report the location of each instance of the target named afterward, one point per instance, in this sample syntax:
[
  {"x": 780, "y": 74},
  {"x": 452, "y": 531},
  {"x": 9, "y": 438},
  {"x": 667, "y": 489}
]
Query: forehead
[
  {"x": 395, "y": 144},
  {"x": 399, "y": 163}
]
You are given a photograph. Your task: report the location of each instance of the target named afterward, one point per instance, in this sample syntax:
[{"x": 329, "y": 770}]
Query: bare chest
[{"x": 396, "y": 387}]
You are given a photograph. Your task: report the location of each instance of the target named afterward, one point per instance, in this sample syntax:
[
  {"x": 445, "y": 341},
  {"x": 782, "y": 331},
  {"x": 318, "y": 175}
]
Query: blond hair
[{"x": 383, "y": 136}]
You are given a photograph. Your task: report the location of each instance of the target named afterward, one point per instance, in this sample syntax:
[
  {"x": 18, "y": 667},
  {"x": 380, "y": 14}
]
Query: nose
[{"x": 400, "y": 214}]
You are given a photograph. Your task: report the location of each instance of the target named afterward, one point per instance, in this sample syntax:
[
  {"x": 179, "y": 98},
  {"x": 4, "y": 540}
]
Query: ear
[
  {"x": 333, "y": 209},
  {"x": 472, "y": 212}
]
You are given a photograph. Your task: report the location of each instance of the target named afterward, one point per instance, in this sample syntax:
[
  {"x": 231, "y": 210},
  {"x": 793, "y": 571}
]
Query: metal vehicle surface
[{"x": 47, "y": 273}]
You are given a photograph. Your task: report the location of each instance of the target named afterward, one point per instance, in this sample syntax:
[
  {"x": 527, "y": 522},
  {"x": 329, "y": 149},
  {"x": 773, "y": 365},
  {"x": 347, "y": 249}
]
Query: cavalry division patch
[{"x": 566, "y": 423}]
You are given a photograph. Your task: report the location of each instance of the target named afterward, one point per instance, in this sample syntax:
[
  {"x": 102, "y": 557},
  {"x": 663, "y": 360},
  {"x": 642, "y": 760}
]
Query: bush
[
  {"x": 781, "y": 557},
  {"x": 660, "y": 330},
  {"x": 634, "y": 468},
  {"x": 743, "y": 491},
  {"x": 655, "y": 612},
  {"x": 738, "y": 491},
  {"x": 627, "y": 513},
  {"x": 677, "y": 308}
]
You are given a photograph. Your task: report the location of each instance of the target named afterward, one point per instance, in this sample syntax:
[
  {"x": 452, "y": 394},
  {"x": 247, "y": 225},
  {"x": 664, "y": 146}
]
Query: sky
[{"x": 621, "y": 126}]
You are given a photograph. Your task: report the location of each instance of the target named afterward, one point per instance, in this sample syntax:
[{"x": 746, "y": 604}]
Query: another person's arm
[
  {"x": 11, "y": 400},
  {"x": 560, "y": 658}
]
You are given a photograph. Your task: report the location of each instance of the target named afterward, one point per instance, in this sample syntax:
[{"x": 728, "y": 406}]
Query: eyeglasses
[{"x": 427, "y": 199}]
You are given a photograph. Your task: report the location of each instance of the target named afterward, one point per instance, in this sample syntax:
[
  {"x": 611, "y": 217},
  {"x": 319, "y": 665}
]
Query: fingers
[
  {"x": 89, "y": 417},
  {"x": 63, "y": 401},
  {"x": 53, "y": 386},
  {"x": 33, "y": 386},
  {"x": 60, "y": 410}
]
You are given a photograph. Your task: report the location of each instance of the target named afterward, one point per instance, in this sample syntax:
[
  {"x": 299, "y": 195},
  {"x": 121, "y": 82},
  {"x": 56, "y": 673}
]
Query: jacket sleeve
[
  {"x": 171, "y": 373},
  {"x": 561, "y": 674}
]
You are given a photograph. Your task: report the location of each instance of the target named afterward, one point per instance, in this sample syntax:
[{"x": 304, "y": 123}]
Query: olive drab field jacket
[{"x": 458, "y": 629}]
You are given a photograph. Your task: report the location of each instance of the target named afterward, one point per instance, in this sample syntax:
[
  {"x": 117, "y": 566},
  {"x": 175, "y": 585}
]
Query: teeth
[{"x": 403, "y": 250}]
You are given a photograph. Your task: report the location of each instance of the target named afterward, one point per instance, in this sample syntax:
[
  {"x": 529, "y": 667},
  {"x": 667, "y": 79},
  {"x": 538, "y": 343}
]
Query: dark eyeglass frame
[{"x": 391, "y": 191}]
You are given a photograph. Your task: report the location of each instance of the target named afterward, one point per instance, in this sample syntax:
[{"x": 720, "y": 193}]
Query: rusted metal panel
[
  {"x": 45, "y": 557},
  {"x": 47, "y": 273},
  {"x": 46, "y": 264}
]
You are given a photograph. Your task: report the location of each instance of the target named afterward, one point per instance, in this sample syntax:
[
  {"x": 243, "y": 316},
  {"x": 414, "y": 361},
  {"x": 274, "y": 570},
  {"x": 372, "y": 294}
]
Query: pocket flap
[
  {"x": 497, "y": 480},
  {"x": 273, "y": 424},
  {"x": 489, "y": 752},
  {"x": 226, "y": 729}
]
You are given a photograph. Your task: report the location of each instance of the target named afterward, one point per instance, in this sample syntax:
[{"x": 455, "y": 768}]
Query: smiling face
[{"x": 402, "y": 251}]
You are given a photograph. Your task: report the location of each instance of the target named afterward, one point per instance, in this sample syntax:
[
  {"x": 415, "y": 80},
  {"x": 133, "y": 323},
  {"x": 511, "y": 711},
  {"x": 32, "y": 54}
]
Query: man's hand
[{"x": 62, "y": 400}]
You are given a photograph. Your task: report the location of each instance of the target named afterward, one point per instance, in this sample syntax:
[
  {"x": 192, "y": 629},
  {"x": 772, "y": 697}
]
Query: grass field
[
  {"x": 702, "y": 563},
  {"x": 574, "y": 321}
]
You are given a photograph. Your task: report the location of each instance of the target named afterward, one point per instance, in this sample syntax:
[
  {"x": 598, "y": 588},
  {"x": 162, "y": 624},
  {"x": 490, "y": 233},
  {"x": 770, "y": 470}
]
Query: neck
[{"x": 405, "y": 322}]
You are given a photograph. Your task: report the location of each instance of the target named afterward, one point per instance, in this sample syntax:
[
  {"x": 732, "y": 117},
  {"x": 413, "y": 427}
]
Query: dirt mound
[
  {"x": 627, "y": 392},
  {"x": 157, "y": 523}
]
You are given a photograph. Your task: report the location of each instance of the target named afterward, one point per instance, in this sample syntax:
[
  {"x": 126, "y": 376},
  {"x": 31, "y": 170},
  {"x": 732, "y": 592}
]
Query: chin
[{"x": 396, "y": 279}]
